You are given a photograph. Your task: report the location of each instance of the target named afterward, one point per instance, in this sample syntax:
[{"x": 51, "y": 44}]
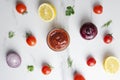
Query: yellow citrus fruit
[
  {"x": 111, "y": 64},
  {"x": 47, "y": 12}
]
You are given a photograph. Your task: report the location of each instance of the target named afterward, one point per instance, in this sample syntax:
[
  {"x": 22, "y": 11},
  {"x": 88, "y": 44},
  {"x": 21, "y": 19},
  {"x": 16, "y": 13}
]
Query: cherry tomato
[
  {"x": 78, "y": 76},
  {"x": 91, "y": 61},
  {"x": 108, "y": 38},
  {"x": 46, "y": 69},
  {"x": 31, "y": 40},
  {"x": 21, "y": 8},
  {"x": 98, "y": 9}
]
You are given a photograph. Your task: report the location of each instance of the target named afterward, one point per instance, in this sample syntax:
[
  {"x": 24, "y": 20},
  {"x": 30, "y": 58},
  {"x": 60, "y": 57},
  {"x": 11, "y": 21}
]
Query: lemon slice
[
  {"x": 47, "y": 12},
  {"x": 111, "y": 64}
]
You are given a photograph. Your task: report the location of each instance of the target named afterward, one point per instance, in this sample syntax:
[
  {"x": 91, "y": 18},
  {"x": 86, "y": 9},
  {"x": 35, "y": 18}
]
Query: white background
[{"x": 79, "y": 49}]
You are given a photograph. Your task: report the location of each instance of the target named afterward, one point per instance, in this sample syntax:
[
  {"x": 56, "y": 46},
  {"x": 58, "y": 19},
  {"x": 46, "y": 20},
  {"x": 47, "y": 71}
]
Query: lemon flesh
[
  {"x": 111, "y": 64},
  {"x": 47, "y": 12}
]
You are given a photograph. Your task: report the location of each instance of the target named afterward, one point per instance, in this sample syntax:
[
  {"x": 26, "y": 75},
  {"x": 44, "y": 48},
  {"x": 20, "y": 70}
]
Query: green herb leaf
[
  {"x": 73, "y": 12},
  {"x": 107, "y": 23},
  {"x": 69, "y": 61},
  {"x": 69, "y": 11},
  {"x": 30, "y": 68},
  {"x": 69, "y": 7},
  {"x": 11, "y": 34}
]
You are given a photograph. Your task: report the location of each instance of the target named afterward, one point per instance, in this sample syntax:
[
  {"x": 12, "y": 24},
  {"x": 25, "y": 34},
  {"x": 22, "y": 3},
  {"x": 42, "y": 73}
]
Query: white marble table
[{"x": 79, "y": 49}]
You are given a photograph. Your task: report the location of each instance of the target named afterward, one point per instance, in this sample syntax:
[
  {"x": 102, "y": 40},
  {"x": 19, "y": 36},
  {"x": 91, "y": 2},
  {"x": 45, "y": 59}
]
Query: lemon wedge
[
  {"x": 111, "y": 64},
  {"x": 47, "y": 12}
]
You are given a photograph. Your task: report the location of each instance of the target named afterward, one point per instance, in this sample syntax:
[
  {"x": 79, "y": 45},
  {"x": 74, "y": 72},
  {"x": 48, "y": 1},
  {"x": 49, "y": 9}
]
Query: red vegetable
[
  {"x": 98, "y": 9},
  {"x": 13, "y": 59},
  {"x": 31, "y": 40},
  {"x": 108, "y": 38},
  {"x": 88, "y": 31},
  {"x": 21, "y": 8},
  {"x": 78, "y": 76},
  {"x": 91, "y": 61},
  {"x": 46, "y": 69}
]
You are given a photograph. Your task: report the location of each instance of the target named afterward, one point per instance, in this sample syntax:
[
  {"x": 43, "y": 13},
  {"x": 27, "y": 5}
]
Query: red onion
[
  {"x": 13, "y": 59},
  {"x": 88, "y": 31}
]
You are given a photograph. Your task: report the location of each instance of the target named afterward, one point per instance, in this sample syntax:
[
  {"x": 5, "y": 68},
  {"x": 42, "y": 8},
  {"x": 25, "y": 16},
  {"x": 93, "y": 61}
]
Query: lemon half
[
  {"x": 47, "y": 12},
  {"x": 111, "y": 64}
]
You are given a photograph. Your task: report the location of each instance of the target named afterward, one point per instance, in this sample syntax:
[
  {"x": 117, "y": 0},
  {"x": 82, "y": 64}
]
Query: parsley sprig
[
  {"x": 69, "y": 11},
  {"x": 30, "y": 68}
]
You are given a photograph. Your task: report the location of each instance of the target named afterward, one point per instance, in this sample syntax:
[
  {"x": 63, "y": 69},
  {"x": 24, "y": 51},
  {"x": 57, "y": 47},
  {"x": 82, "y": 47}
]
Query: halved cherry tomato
[
  {"x": 46, "y": 69},
  {"x": 78, "y": 76},
  {"x": 31, "y": 40},
  {"x": 91, "y": 61},
  {"x": 108, "y": 38},
  {"x": 98, "y": 9},
  {"x": 21, "y": 8}
]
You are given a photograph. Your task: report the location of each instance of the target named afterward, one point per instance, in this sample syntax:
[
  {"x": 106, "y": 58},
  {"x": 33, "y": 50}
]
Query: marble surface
[{"x": 79, "y": 49}]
